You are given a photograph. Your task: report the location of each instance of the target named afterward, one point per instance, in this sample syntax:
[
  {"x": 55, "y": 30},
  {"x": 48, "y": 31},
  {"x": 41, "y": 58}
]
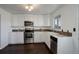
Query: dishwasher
[{"x": 53, "y": 44}]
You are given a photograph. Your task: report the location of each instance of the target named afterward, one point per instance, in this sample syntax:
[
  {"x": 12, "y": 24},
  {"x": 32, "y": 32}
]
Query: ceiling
[{"x": 38, "y": 8}]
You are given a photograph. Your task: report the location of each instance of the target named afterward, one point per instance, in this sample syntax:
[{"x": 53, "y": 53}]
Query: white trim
[{"x": 3, "y": 46}]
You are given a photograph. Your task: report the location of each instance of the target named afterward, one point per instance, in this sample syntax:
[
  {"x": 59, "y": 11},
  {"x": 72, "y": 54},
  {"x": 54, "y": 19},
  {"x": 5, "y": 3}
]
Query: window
[{"x": 57, "y": 22}]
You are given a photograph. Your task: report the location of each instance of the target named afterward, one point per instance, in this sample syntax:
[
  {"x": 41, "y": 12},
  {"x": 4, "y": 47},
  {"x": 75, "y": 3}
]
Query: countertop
[
  {"x": 22, "y": 30},
  {"x": 57, "y": 35},
  {"x": 53, "y": 32}
]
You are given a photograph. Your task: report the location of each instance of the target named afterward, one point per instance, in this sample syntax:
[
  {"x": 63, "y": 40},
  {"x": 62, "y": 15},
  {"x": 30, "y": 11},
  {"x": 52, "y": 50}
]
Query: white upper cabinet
[
  {"x": 46, "y": 21},
  {"x": 21, "y": 20},
  {"x": 14, "y": 21},
  {"x": 17, "y": 20},
  {"x": 38, "y": 20}
]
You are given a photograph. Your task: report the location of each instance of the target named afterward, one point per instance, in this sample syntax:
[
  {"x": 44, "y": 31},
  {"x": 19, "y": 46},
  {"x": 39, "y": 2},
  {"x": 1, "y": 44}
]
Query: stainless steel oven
[
  {"x": 29, "y": 32},
  {"x": 28, "y": 36}
]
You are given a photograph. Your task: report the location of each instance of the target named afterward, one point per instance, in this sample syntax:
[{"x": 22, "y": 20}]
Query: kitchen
[{"x": 54, "y": 25}]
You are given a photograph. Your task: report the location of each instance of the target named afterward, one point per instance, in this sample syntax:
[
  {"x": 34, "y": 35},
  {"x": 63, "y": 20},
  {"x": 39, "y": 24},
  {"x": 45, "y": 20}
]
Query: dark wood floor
[{"x": 35, "y": 48}]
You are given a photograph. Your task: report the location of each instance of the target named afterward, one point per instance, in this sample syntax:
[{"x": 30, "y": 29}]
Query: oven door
[{"x": 28, "y": 35}]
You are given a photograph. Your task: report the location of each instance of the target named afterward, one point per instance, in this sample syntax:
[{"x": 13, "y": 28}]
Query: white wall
[
  {"x": 69, "y": 19},
  {"x": 68, "y": 15},
  {"x": 5, "y": 28}
]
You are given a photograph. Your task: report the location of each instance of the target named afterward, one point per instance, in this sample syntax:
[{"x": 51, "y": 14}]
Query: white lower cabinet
[
  {"x": 47, "y": 39},
  {"x": 42, "y": 37},
  {"x": 17, "y": 38},
  {"x": 38, "y": 37},
  {"x": 61, "y": 44},
  {"x": 65, "y": 45}
]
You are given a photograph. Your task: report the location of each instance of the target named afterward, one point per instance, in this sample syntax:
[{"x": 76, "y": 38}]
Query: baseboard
[
  {"x": 48, "y": 48},
  {"x": 3, "y": 47},
  {"x": 15, "y": 43},
  {"x": 28, "y": 43}
]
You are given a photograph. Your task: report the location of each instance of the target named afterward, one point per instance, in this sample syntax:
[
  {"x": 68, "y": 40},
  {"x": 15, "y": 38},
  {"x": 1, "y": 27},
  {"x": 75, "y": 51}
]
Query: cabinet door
[
  {"x": 38, "y": 20},
  {"x": 21, "y": 20},
  {"x": 17, "y": 38},
  {"x": 65, "y": 45},
  {"x": 38, "y": 37},
  {"x": 42, "y": 37},
  {"x": 18, "y": 20},
  {"x": 14, "y": 37},
  {"x": 14, "y": 21},
  {"x": 47, "y": 38},
  {"x": 20, "y": 38},
  {"x": 46, "y": 20}
]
